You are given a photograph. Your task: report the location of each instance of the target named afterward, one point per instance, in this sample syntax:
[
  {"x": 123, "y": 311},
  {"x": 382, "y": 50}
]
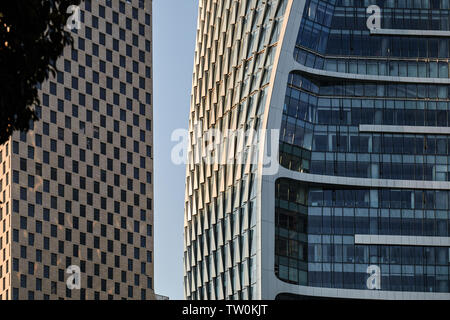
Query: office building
[
  {"x": 77, "y": 189},
  {"x": 357, "y": 206}
]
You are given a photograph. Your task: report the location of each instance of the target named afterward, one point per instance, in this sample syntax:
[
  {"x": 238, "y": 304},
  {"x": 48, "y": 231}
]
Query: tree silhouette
[{"x": 32, "y": 37}]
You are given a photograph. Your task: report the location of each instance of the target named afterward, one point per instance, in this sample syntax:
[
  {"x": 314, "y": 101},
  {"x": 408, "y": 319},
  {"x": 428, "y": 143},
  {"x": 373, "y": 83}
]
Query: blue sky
[{"x": 174, "y": 31}]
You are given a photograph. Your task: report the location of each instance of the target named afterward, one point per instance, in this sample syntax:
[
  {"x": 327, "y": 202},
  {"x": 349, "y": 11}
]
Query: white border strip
[
  {"x": 404, "y": 129},
  {"x": 362, "y": 182},
  {"x": 268, "y": 285},
  {"x": 402, "y": 240},
  {"x": 405, "y": 32},
  {"x": 296, "y": 66}
]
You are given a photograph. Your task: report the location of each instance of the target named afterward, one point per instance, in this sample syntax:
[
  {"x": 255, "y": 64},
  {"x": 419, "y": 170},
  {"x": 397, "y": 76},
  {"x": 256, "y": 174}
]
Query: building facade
[
  {"x": 357, "y": 207},
  {"x": 77, "y": 189}
]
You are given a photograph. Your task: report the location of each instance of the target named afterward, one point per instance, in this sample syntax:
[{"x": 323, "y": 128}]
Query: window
[
  {"x": 81, "y": 99},
  {"x": 103, "y": 93},
  {"x": 95, "y": 77},
  {"x": 68, "y": 122},
  {"x": 60, "y": 162},
  {"x": 46, "y": 157},
  {"x": 53, "y": 143},
  {"x": 75, "y": 166},
  {"x": 109, "y": 110},
  {"x": 46, "y": 186},
  {"x": 30, "y": 268},
  {"x": 60, "y": 77},
  {"x": 149, "y": 230},
  {"x": 88, "y": 59},
  {"x": 89, "y": 143},
  {"x": 81, "y": 72},
  {"x": 54, "y": 202},
  {"x": 67, "y": 94},
  {"x": 95, "y": 49},
  {"x": 129, "y": 50},
  {"x": 23, "y": 252},
  {"x": 96, "y": 132},
  {"x": 16, "y": 176},
  {"x": 102, "y": 66},
  {"x": 53, "y": 88},
  {"x": 23, "y": 193},
  {"x": 123, "y": 88},
  {"x": 38, "y": 197},
  {"x": 38, "y": 169},
  {"x": 74, "y": 55},
  {"x": 23, "y": 281},
  {"x": 101, "y": 11},
  {"x": 38, "y": 226},
  {"x": 60, "y": 134},
  {"x": 45, "y": 100},
  {"x": 53, "y": 117},
  {"x": 108, "y": 55},
  {"x": 15, "y": 148},
  {"x": 46, "y": 271},
  {"x": 38, "y": 284},
  {"x": 74, "y": 83},
  {"x": 115, "y": 45},
  {"x": 75, "y": 111},
  {"x": 89, "y": 171},
  {"x": 68, "y": 150},
  {"x": 67, "y": 64},
  {"x": 23, "y": 223},
  {"x": 31, "y": 210},
  {"x": 95, "y": 22},
  {"x": 108, "y": 28},
  {"x": 88, "y": 115},
  {"x": 38, "y": 110}
]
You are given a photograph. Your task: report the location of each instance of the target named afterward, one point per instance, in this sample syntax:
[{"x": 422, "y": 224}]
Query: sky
[{"x": 174, "y": 34}]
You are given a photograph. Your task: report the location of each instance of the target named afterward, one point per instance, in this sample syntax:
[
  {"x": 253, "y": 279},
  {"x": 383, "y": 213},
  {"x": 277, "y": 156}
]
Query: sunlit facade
[{"x": 358, "y": 207}]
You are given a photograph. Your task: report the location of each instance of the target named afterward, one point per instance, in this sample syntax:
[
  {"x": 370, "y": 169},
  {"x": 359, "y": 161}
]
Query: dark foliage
[{"x": 32, "y": 37}]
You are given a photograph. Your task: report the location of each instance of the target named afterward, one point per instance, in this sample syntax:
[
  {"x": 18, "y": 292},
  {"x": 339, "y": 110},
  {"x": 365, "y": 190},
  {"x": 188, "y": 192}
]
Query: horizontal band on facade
[
  {"x": 363, "y": 77},
  {"x": 402, "y": 240},
  {"x": 404, "y": 129},
  {"x": 406, "y": 32},
  {"x": 362, "y": 182}
]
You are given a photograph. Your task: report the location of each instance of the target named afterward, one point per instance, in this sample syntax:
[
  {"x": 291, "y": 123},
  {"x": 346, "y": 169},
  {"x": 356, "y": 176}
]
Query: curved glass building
[{"x": 351, "y": 198}]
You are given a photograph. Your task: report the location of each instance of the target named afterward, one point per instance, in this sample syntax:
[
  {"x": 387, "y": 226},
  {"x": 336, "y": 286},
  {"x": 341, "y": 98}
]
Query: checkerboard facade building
[{"x": 77, "y": 189}]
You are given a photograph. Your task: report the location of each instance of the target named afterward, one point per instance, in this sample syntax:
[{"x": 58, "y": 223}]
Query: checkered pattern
[{"x": 77, "y": 189}]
